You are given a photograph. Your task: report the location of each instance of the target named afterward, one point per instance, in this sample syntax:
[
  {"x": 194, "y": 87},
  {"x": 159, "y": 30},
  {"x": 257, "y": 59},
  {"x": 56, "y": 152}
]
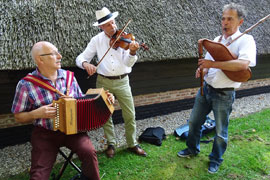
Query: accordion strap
[
  {"x": 44, "y": 84},
  {"x": 70, "y": 76}
]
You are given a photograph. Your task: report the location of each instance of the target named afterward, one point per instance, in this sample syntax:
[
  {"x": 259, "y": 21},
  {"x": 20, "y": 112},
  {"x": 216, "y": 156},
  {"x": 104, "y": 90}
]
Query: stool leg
[{"x": 68, "y": 160}]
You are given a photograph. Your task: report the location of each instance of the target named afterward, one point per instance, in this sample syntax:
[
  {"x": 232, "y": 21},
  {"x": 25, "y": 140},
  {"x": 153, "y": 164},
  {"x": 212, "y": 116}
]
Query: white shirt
[
  {"x": 244, "y": 48},
  {"x": 116, "y": 62}
]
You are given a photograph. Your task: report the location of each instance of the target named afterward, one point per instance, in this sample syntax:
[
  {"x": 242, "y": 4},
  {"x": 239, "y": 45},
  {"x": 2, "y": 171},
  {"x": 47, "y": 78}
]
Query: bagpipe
[{"x": 220, "y": 52}]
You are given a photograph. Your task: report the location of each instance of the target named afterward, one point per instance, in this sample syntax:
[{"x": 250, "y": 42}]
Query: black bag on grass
[{"x": 153, "y": 135}]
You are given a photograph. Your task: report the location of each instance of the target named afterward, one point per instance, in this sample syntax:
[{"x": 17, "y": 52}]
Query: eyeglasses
[{"x": 55, "y": 53}]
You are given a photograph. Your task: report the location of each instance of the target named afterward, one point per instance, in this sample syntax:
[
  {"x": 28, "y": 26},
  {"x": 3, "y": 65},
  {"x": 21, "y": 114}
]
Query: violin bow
[{"x": 117, "y": 38}]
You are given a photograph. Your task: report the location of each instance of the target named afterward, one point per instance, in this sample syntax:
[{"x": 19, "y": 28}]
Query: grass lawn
[{"x": 247, "y": 157}]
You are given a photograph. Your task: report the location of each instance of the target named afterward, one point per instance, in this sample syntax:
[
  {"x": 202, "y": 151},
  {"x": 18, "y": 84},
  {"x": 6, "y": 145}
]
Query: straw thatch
[{"x": 171, "y": 28}]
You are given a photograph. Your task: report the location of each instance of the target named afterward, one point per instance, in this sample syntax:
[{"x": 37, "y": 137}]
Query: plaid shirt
[{"x": 29, "y": 96}]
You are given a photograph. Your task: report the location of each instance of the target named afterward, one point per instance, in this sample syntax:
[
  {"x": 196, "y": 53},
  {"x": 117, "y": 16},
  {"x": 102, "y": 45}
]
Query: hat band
[{"x": 105, "y": 18}]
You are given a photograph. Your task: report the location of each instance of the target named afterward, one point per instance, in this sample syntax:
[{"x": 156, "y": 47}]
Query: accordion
[{"x": 82, "y": 114}]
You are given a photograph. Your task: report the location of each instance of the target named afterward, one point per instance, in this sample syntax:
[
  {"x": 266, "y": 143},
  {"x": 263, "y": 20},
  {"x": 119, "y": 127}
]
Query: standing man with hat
[{"x": 113, "y": 76}]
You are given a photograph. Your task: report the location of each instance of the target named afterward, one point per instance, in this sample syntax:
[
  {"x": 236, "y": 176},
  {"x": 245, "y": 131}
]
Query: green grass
[{"x": 247, "y": 157}]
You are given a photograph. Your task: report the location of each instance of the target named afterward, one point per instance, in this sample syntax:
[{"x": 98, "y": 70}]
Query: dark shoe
[
  {"x": 110, "y": 151},
  {"x": 138, "y": 150},
  {"x": 213, "y": 167},
  {"x": 185, "y": 153}
]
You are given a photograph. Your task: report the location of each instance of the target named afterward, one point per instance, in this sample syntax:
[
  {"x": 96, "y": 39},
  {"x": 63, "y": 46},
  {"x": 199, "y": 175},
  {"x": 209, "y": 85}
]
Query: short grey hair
[{"x": 241, "y": 12}]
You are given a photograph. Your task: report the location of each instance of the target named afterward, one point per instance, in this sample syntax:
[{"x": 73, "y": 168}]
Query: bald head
[
  {"x": 46, "y": 57},
  {"x": 40, "y": 48}
]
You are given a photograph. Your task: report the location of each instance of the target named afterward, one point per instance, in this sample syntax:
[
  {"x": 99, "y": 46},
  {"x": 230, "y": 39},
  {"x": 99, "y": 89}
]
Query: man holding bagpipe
[
  {"x": 221, "y": 76},
  {"x": 33, "y": 103}
]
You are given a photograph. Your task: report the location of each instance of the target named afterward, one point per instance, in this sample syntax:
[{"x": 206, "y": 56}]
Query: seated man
[{"x": 33, "y": 103}]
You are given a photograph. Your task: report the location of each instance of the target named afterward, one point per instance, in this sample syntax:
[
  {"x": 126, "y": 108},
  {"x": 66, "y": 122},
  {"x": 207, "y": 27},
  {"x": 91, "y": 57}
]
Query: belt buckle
[{"x": 122, "y": 76}]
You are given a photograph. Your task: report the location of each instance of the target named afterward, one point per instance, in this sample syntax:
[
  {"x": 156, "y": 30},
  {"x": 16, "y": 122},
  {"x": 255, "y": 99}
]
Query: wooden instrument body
[
  {"x": 101, "y": 92},
  {"x": 65, "y": 120},
  {"x": 219, "y": 52},
  {"x": 73, "y": 117}
]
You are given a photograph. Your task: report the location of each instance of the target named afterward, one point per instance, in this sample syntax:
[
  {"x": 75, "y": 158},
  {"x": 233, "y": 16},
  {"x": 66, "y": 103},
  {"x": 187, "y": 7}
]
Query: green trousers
[{"x": 121, "y": 89}]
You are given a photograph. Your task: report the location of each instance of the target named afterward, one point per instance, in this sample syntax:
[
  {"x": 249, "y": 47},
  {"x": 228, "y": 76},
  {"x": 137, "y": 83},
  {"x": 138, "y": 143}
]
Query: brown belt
[{"x": 114, "y": 77}]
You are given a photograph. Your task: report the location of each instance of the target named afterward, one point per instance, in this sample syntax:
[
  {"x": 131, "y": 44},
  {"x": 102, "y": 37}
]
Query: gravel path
[{"x": 15, "y": 159}]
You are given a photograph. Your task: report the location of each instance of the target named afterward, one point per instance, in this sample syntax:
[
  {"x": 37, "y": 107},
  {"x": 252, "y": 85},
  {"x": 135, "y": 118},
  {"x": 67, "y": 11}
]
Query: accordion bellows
[{"x": 82, "y": 114}]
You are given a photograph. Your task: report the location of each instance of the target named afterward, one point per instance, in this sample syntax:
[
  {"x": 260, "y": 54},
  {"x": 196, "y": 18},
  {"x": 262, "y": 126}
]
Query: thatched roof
[{"x": 171, "y": 28}]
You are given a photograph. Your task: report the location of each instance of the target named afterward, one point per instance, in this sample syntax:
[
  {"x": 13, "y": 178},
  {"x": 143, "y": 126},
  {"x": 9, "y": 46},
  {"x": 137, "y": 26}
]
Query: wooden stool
[{"x": 68, "y": 161}]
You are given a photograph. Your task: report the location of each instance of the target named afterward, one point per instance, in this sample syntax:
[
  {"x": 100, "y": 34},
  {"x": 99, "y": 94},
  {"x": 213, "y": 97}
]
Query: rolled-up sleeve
[
  {"x": 247, "y": 51},
  {"x": 87, "y": 55}
]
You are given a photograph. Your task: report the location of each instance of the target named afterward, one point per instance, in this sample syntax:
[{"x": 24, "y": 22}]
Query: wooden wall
[{"x": 146, "y": 77}]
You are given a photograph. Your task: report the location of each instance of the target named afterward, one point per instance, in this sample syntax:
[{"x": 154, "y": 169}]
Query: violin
[{"x": 124, "y": 40}]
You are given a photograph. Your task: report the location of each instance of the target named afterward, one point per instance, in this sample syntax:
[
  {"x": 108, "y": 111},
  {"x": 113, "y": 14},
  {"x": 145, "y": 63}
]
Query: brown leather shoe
[
  {"x": 138, "y": 150},
  {"x": 110, "y": 151}
]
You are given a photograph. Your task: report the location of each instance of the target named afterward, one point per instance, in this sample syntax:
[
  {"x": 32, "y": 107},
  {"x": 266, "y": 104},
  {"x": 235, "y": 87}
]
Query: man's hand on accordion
[
  {"x": 110, "y": 98},
  {"x": 46, "y": 111}
]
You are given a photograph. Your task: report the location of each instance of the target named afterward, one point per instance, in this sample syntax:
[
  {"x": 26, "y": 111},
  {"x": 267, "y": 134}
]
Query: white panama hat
[{"x": 103, "y": 16}]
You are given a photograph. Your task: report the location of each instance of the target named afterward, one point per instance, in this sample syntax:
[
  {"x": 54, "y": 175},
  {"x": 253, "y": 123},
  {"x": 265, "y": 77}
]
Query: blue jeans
[{"x": 220, "y": 102}]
